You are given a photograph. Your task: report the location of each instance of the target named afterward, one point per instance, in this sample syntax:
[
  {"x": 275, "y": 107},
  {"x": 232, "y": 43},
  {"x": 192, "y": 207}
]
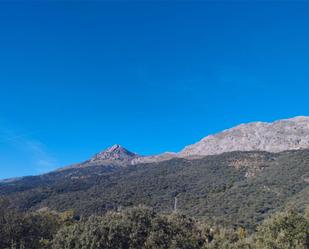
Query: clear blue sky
[{"x": 78, "y": 77}]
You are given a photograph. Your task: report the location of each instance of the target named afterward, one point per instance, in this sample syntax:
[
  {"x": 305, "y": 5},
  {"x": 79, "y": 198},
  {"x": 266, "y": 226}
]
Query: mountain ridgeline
[
  {"x": 286, "y": 134},
  {"x": 235, "y": 178}
]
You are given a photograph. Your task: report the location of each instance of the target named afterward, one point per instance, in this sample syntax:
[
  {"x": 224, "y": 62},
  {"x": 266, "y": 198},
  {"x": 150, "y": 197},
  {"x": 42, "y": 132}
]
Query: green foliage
[
  {"x": 214, "y": 188},
  {"x": 33, "y": 230},
  {"x": 288, "y": 230},
  {"x": 175, "y": 231},
  {"x": 142, "y": 228},
  {"x": 134, "y": 228},
  {"x": 9, "y": 229}
]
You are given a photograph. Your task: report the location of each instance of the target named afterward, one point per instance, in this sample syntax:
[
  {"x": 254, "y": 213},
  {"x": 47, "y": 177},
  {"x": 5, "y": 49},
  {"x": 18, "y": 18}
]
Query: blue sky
[{"x": 78, "y": 77}]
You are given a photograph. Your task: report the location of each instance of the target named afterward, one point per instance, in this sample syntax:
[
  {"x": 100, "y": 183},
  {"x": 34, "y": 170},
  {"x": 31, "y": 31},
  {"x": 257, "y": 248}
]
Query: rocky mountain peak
[
  {"x": 281, "y": 135},
  {"x": 115, "y": 152},
  {"x": 115, "y": 147},
  {"x": 115, "y": 155}
]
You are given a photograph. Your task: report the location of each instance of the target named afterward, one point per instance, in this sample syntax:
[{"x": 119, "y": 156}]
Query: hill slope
[{"x": 231, "y": 188}]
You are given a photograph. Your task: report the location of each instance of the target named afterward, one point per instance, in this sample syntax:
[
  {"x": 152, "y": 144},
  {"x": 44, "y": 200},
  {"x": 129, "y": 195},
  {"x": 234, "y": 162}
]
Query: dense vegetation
[
  {"x": 232, "y": 189},
  {"x": 141, "y": 227}
]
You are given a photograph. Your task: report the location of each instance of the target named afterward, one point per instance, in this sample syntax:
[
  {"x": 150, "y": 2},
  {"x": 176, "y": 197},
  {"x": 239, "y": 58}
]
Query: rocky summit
[
  {"x": 281, "y": 135},
  {"x": 114, "y": 153}
]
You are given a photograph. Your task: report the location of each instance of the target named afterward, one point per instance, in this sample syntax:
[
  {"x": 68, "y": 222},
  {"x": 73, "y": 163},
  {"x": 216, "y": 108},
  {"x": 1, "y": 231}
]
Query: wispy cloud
[
  {"x": 43, "y": 160},
  {"x": 26, "y": 142}
]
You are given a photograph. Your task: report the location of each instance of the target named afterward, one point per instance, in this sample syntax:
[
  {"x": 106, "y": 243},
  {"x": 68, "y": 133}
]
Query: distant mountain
[
  {"x": 281, "y": 135},
  {"x": 287, "y": 134},
  {"x": 115, "y": 155},
  {"x": 118, "y": 156},
  {"x": 238, "y": 176}
]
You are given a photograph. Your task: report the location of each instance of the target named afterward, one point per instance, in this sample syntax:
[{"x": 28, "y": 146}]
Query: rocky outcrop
[
  {"x": 287, "y": 134},
  {"x": 115, "y": 153}
]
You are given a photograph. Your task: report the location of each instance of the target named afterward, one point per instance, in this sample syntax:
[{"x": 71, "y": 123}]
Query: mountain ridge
[
  {"x": 232, "y": 187},
  {"x": 280, "y": 135},
  {"x": 277, "y": 136}
]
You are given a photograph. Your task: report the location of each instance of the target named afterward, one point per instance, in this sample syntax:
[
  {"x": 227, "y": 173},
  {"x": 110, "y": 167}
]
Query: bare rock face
[
  {"x": 115, "y": 154},
  {"x": 287, "y": 134}
]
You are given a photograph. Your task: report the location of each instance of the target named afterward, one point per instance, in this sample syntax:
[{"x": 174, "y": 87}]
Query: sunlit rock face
[
  {"x": 114, "y": 153},
  {"x": 287, "y": 134}
]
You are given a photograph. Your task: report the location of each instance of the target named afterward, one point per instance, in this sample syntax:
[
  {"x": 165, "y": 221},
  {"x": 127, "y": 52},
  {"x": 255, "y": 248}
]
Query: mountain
[
  {"x": 287, "y": 134},
  {"x": 115, "y": 155},
  {"x": 236, "y": 177},
  {"x": 118, "y": 156},
  {"x": 234, "y": 188},
  {"x": 281, "y": 135}
]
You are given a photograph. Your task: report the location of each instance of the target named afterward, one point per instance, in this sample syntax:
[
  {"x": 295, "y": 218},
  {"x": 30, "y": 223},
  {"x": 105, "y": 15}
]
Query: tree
[
  {"x": 287, "y": 230},
  {"x": 115, "y": 230},
  {"x": 135, "y": 228}
]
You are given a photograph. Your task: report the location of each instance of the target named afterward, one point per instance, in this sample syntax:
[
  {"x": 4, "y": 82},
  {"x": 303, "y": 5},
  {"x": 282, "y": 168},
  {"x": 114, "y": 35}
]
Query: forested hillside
[
  {"x": 143, "y": 228},
  {"x": 231, "y": 189}
]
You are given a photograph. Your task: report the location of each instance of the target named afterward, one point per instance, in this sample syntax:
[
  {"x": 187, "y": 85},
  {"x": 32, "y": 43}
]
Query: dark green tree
[{"x": 287, "y": 230}]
